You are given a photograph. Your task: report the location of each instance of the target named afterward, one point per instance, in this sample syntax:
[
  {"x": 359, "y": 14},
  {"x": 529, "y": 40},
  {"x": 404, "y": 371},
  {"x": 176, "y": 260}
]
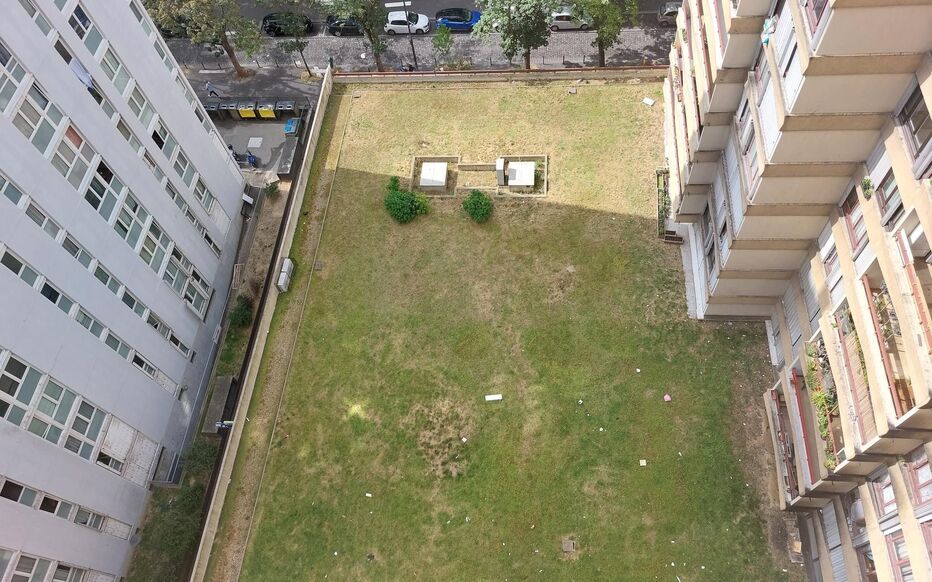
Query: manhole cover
[
  {"x": 569, "y": 545},
  {"x": 318, "y": 265}
]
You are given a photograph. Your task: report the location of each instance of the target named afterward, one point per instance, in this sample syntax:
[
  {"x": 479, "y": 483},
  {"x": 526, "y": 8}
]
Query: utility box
[
  {"x": 500, "y": 171},
  {"x": 284, "y": 277}
]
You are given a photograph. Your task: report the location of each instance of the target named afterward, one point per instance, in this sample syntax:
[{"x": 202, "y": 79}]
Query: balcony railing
[
  {"x": 785, "y": 453},
  {"x": 824, "y": 398},
  {"x": 892, "y": 350},
  {"x": 852, "y": 356}
]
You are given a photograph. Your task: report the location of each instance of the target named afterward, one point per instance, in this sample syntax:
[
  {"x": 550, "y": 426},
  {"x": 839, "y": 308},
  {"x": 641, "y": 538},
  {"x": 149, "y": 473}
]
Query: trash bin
[
  {"x": 212, "y": 107},
  {"x": 285, "y": 107},
  {"x": 266, "y": 109},
  {"x": 246, "y": 109},
  {"x": 228, "y": 110}
]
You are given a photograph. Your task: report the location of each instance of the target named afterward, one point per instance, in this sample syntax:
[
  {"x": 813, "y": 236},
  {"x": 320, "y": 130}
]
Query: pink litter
[{"x": 667, "y": 398}]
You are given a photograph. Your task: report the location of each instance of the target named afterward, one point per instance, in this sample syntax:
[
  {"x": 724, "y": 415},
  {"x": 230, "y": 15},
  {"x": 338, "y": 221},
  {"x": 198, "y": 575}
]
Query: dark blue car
[{"x": 458, "y": 18}]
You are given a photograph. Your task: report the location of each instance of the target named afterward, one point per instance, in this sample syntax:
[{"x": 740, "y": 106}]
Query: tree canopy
[{"x": 523, "y": 24}]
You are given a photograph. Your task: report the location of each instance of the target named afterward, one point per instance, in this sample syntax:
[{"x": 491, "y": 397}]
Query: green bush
[
  {"x": 402, "y": 205},
  {"x": 478, "y": 205},
  {"x": 241, "y": 315}
]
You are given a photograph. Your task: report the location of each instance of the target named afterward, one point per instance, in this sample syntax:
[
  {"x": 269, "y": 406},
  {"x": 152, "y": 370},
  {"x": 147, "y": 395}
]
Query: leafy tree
[
  {"x": 443, "y": 43},
  {"x": 523, "y": 24},
  {"x": 630, "y": 9},
  {"x": 213, "y": 21},
  {"x": 403, "y": 205},
  {"x": 371, "y": 16},
  {"x": 607, "y": 19},
  {"x": 293, "y": 26}
]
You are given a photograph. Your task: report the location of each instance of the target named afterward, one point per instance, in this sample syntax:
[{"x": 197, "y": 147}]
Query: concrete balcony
[
  {"x": 844, "y": 28},
  {"x": 792, "y": 464}
]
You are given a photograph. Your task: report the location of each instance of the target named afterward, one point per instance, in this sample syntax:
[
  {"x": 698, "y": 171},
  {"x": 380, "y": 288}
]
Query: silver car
[
  {"x": 564, "y": 19},
  {"x": 666, "y": 14}
]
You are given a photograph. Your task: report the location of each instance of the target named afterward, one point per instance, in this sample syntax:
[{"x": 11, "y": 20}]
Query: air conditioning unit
[{"x": 284, "y": 277}]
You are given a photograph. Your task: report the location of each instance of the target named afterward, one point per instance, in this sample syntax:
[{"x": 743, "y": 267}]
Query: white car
[
  {"x": 404, "y": 22},
  {"x": 563, "y": 19}
]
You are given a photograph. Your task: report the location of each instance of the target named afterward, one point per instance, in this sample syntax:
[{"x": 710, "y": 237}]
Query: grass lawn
[{"x": 555, "y": 303}]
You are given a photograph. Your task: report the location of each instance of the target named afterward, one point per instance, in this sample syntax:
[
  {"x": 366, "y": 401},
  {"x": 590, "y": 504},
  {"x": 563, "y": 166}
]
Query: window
[
  {"x": 203, "y": 195},
  {"x": 18, "y": 493},
  {"x": 67, "y": 574},
  {"x": 37, "y": 119},
  {"x": 158, "y": 325},
  {"x": 114, "y": 70},
  {"x": 183, "y": 168},
  {"x": 42, "y": 221},
  {"x": 109, "y": 462},
  {"x": 85, "y": 428},
  {"x": 915, "y": 121},
  {"x": 815, "y": 9},
  {"x": 89, "y": 323},
  {"x": 19, "y": 268},
  {"x": 57, "y": 297},
  {"x": 143, "y": 364},
  {"x": 746, "y": 142},
  {"x": 187, "y": 282},
  {"x": 56, "y": 507},
  {"x": 85, "y": 29},
  {"x": 139, "y": 13},
  {"x": 36, "y": 16},
  {"x": 117, "y": 345},
  {"x": 131, "y": 221},
  {"x": 17, "y": 385},
  {"x": 854, "y": 220},
  {"x": 920, "y": 476},
  {"x": 140, "y": 106},
  {"x": 164, "y": 139},
  {"x": 11, "y": 74},
  {"x": 128, "y": 136},
  {"x": 173, "y": 340},
  {"x": 899, "y": 557},
  {"x": 11, "y": 192},
  {"x": 77, "y": 251},
  {"x": 175, "y": 196},
  {"x": 104, "y": 191},
  {"x": 88, "y": 518},
  {"x": 52, "y": 412},
  {"x": 888, "y": 194},
  {"x": 884, "y": 498},
  {"x": 109, "y": 281},
  {"x": 164, "y": 55},
  {"x": 155, "y": 247},
  {"x": 30, "y": 569},
  {"x": 73, "y": 157},
  {"x": 130, "y": 301},
  {"x": 866, "y": 563}
]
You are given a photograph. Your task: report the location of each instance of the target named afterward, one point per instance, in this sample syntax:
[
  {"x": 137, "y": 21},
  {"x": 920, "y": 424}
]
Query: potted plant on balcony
[
  {"x": 867, "y": 187},
  {"x": 823, "y": 397}
]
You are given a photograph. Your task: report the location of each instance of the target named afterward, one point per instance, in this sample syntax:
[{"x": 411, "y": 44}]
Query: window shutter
[{"x": 119, "y": 439}]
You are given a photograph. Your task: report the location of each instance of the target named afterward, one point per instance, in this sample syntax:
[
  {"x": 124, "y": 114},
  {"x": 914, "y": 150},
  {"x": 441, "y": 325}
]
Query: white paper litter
[
  {"x": 648, "y": 101},
  {"x": 643, "y": 462},
  {"x": 492, "y": 397}
]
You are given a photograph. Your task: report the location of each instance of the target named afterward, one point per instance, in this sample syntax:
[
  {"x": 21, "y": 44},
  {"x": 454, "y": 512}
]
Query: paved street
[{"x": 636, "y": 46}]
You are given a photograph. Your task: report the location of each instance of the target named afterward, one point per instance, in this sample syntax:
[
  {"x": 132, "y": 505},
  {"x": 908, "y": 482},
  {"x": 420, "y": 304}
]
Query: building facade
[
  {"x": 798, "y": 143},
  {"x": 119, "y": 224}
]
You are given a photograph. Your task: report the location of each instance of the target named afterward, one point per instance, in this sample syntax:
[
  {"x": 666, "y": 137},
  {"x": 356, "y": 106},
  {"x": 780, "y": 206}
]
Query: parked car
[
  {"x": 400, "y": 22},
  {"x": 666, "y": 14},
  {"x": 563, "y": 19},
  {"x": 458, "y": 18},
  {"x": 343, "y": 26},
  {"x": 284, "y": 23}
]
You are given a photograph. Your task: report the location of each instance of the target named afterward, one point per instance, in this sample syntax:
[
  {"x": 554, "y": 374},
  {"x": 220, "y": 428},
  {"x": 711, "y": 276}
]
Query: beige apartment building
[{"x": 800, "y": 176}]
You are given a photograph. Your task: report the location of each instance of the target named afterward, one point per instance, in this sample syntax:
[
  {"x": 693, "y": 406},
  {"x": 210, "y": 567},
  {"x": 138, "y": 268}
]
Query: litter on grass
[
  {"x": 492, "y": 397},
  {"x": 643, "y": 462},
  {"x": 368, "y": 495},
  {"x": 667, "y": 398},
  {"x": 648, "y": 101}
]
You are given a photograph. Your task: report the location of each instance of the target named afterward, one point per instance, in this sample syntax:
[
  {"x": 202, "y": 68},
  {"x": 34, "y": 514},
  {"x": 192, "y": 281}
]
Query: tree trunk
[
  {"x": 306, "y": 68},
  {"x": 228, "y": 48},
  {"x": 527, "y": 60},
  {"x": 378, "y": 61},
  {"x": 601, "y": 54},
  {"x": 373, "y": 43}
]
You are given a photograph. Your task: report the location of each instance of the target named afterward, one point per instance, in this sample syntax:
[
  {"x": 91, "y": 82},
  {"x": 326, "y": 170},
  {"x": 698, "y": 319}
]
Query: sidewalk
[{"x": 635, "y": 46}]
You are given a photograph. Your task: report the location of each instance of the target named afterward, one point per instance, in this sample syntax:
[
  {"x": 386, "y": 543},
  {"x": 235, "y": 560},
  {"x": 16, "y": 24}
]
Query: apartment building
[
  {"x": 119, "y": 222},
  {"x": 798, "y": 143}
]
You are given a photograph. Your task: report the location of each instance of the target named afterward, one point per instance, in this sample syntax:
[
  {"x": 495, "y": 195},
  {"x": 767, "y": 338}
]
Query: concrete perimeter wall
[{"x": 645, "y": 73}]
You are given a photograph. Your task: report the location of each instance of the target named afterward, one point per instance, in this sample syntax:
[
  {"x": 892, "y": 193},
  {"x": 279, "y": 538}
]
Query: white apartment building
[{"x": 119, "y": 223}]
